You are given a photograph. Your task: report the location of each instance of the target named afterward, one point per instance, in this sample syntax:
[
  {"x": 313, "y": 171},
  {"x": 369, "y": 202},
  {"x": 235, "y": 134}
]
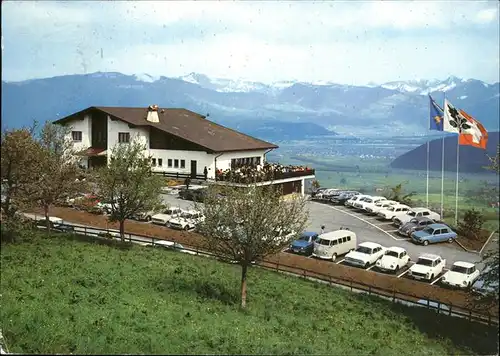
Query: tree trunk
[
  {"x": 122, "y": 230},
  {"x": 47, "y": 220},
  {"x": 244, "y": 269}
]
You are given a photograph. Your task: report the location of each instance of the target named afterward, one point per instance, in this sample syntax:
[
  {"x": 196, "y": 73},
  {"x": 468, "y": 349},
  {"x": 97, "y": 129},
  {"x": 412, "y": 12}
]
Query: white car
[
  {"x": 370, "y": 202},
  {"x": 393, "y": 260},
  {"x": 173, "y": 245},
  {"x": 350, "y": 202},
  {"x": 357, "y": 203},
  {"x": 393, "y": 211},
  {"x": 365, "y": 255},
  {"x": 461, "y": 275},
  {"x": 415, "y": 212},
  {"x": 163, "y": 218},
  {"x": 186, "y": 220},
  {"x": 379, "y": 206},
  {"x": 144, "y": 216},
  {"x": 427, "y": 267}
]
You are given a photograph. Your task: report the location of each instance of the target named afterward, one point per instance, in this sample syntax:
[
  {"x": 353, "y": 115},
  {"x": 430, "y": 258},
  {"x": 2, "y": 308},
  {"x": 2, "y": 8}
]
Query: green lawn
[{"x": 61, "y": 295}]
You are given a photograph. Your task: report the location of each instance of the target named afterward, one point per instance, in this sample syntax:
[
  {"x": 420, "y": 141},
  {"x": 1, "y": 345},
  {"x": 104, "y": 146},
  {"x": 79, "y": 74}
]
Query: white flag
[{"x": 452, "y": 119}]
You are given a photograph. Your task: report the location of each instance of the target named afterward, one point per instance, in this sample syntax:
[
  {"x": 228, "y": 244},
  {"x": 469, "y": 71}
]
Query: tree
[
  {"x": 248, "y": 224},
  {"x": 19, "y": 152},
  {"x": 55, "y": 175},
  {"x": 471, "y": 224},
  {"x": 315, "y": 184},
  {"x": 494, "y": 162},
  {"x": 128, "y": 183},
  {"x": 398, "y": 193}
]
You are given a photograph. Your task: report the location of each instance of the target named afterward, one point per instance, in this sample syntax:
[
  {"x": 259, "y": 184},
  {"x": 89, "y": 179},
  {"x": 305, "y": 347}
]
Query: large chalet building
[{"x": 181, "y": 143}]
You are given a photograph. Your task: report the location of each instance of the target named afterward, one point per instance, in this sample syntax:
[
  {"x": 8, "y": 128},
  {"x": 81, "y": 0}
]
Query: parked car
[
  {"x": 370, "y": 202},
  {"x": 186, "y": 220},
  {"x": 327, "y": 193},
  {"x": 392, "y": 212},
  {"x": 483, "y": 288},
  {"x": 461, "y": 275},
  {"x": 427, "y": 267},
  {"x": 56, "y": 224},
  {"x": 358, "y": 204},
  {"x": 434, "y": 233},
  {"x": 416, "y": 212},
  {"x": 316, "y": 192},
  {"x": 393, "y": 260},
  {"x": 350, "y": 203},
  {"x": 379, "y": 206},
  {"x": 365, "y": 255},
  {"x": 345, "y": 196},
  {"x": 305, "y": 244},
  {"x": 335, "y": 243},
  {"x": 163, "y": 218},
  {"x": 172, "y": 246},
  {"x": 144, "y": 215},
  {"x": 415, "y": 224}
]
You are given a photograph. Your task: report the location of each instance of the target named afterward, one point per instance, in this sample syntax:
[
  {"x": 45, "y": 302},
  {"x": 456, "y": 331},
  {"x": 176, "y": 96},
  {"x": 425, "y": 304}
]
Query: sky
[{"x": 352, "y": 42}]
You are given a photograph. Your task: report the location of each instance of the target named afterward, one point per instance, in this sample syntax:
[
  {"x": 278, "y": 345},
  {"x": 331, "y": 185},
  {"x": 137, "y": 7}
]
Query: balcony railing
[{"x": 249, "y": 175}]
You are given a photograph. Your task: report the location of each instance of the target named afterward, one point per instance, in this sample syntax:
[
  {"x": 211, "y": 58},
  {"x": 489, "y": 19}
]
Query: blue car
[
  {"x": 305, "y": 244},
  {"x": 434, "y": 233}
]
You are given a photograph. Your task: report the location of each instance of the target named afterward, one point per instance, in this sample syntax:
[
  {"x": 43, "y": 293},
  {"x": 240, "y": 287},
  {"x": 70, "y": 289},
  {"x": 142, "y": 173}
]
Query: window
[
  {"x": 348, "y": 238},
  {"x": 334, "y": 242},
  {"x": 183, "y": 163},
  {"x": 426, "y": 213},
  {"x": 123, "y": 137},
  {"x": 76, "y": 135},
  {"x": 176, "y": 163},
  {"x": 169, "y": 163},
  {"x": 160, "y": 162},
  {"x": 153, "y": 162},
  {"x": 344, "y": 239}
]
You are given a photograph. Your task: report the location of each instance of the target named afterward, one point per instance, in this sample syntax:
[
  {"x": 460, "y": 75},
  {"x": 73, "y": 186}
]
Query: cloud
[{"x": 347, "y": 42}]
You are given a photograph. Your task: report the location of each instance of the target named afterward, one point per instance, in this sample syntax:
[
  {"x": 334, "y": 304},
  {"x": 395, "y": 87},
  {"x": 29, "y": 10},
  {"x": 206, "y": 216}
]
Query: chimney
[{"x": 153, "y": 114}]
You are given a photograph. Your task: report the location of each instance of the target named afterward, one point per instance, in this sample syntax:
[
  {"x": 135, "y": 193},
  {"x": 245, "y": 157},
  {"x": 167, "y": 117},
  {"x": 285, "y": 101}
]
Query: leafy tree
[
  {"x": 246, "y": 225},
  {"x": 398, "y": 193},
  {"x": 471, "y": 224},
  {"x": 55, "y": 174},
  {"x": 128, "y": 183},
  {"x": 19, "y": 152}
]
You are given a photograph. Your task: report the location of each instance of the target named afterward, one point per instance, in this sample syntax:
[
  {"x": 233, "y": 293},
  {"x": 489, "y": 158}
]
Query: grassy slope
[{"x": 60, "y": 295}]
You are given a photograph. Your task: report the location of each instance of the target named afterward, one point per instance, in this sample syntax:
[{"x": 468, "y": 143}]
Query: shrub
[{"x": 471, "y": 224}]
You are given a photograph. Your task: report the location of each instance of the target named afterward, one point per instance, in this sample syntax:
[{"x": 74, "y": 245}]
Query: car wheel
[
  {"x": 186, "y": 228},
  {"x": 367, "y": 264},
  {"x": 148, "y": 218},
  {"x": 450, "y": 240},
  {"x": 334, "y": 257},
  {"x": 432, "y": 276},
  {"x": 426, "y": 242}
]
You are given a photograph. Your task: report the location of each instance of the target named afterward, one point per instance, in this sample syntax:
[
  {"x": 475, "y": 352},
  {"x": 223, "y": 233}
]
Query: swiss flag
[{"x": 476, "y": 135}]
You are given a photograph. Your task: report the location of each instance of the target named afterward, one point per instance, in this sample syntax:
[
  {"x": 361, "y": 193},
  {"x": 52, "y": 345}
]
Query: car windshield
[
  {"x": 369, "y": 200},
  {"x": 391, "y": 208},
  {"x": 379, "y": 204},
  {"x": 424, "y": 262},
  {"x": 412, "y": 213},
  {"x": 428, "y": 230},
  {"x": 392, "y": 254},
  {"x": 363, "y": 249},
  {"x": 304, "y": 238},
  {"x": 170, "y": 212},
  {"x": 323, "y": 242},
  {"x": 459, "y": 269}
]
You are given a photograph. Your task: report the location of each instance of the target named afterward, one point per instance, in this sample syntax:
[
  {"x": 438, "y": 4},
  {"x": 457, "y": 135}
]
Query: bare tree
[
  {"x": 248, "y": 224},
  {"x": 55, "y": 175},
  {"x": 19, "y": 157},
  {"x": 128, "y": 184}
]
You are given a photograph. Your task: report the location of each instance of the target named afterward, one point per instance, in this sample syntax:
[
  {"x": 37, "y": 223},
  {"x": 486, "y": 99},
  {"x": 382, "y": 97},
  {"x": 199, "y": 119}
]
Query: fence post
[
  {"x": 451, "y": 307},
  {"x": 369, "y": 290},
  {"x": 330, "y": 278},
  {"x": 439, "y": 307},
  {"x": 351, "y": 284},
  {"x": 305, "y": 274},
  {"x": 470, "y": 315},
  {"x": 85, "y": 230},
  {"x": 393, "y": 295}
]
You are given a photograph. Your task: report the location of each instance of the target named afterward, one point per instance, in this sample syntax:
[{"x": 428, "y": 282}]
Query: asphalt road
[{"x": 367, "y": 228}]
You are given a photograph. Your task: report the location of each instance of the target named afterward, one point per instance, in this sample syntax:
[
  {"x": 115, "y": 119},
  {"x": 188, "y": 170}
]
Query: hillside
[
  {"x": 392, "y": 109},
  {"x": 61, "y": 295},
  {"x": 472, "y": 160}
]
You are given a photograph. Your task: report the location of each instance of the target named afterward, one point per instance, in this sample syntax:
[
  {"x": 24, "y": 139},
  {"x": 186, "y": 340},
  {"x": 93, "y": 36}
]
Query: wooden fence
[{"x": 396, "y": 297}]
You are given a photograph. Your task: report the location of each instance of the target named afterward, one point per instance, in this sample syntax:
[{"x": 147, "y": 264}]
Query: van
[{"x": 332, "y": 244}]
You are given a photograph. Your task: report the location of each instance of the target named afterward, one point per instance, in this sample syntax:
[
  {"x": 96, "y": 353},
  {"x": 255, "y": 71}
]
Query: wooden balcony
[{"x": 249, "y": 176}]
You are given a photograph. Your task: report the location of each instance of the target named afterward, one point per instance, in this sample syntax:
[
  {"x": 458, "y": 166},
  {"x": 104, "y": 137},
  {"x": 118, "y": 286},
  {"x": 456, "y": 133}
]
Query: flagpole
[
  {"x": 442, "y": 166},
  {"x": 427, "y": 187},
  {"x": 456, "y": 187}
]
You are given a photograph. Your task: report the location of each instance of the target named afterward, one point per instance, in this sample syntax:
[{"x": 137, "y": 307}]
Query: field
[
  {"x": 60, "y": 294},
  {"x": 368, "y": 174}
]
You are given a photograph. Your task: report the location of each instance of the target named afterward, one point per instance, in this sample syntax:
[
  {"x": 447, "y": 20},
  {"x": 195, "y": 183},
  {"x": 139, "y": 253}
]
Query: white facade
[{"x": 172, "y": 161}]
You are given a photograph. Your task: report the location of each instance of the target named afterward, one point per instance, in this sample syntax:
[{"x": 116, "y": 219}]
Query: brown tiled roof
[
  {"x": 185, "y": 124},
  {"x": 91, "y": 152}
]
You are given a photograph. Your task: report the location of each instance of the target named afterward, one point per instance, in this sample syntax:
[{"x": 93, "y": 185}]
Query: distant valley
[{"x": 276, "y": 112}]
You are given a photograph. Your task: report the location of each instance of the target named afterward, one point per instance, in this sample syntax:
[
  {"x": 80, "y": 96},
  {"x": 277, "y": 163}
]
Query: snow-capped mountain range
[{"x": 288, "y": 109}]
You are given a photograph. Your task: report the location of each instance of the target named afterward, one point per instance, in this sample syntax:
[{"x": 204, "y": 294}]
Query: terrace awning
[{"x": 93, "y": 152}]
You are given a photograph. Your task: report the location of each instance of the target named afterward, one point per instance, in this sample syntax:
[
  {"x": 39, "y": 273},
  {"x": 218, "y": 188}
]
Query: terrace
[{"x": 262, "y": 173}]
